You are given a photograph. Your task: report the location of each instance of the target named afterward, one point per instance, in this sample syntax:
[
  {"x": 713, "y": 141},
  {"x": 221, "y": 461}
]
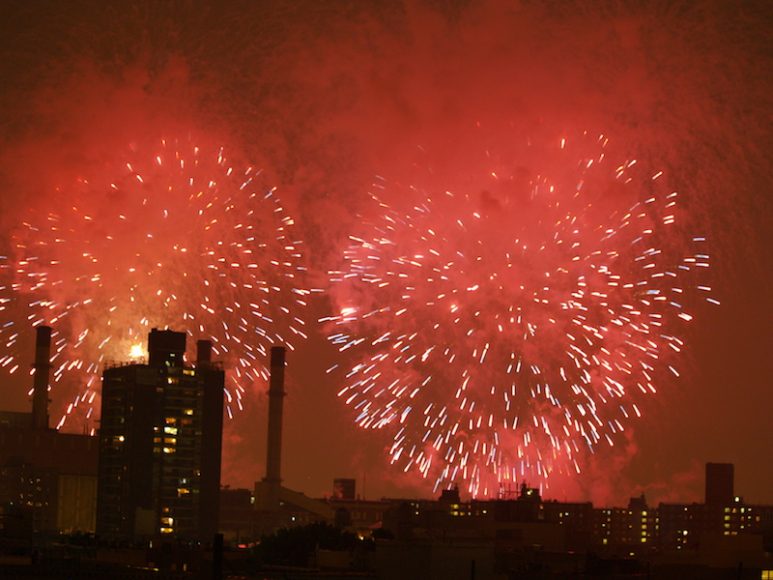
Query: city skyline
[
  {"x": 709, "y": 471},
  {"x": 323, "y": 113}
]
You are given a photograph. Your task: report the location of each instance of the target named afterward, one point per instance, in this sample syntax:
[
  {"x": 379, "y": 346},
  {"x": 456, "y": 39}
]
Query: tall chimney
[
  {"x": 276, "y": 395},
  {"x": 42, "y": 368}
]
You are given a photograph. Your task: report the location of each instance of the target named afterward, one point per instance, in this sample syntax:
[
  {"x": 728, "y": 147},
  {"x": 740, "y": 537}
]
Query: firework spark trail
[
  {"x": 501, "y": 336},
  {"x": 173, "y": 236}
]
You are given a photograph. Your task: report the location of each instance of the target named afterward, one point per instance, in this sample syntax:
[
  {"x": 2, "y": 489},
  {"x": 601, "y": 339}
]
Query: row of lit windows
[
  {"x": 167, "y": 523},
  {"x": 736, "y": 510}
]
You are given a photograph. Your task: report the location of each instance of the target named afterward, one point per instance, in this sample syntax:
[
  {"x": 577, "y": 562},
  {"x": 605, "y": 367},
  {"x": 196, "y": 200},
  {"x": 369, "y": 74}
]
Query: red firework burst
[
  {"x": 503, "y": 330},
  {"x": 168, "y": 236}
]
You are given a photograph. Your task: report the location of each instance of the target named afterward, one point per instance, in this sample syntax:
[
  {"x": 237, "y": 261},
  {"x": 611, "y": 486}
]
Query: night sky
[{"x": 324, "y": 97}]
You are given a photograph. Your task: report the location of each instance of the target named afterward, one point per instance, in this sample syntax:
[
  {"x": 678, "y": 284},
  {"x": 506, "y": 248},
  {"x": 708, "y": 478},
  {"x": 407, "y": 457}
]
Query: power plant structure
[
  {"x": 48, "y": 478},
  {"x": 276, "y": 505}
]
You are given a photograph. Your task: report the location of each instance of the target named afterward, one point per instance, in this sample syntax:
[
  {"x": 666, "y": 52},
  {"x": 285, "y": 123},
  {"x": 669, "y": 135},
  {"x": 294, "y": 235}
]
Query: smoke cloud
[{"x": 324, "y": 96}]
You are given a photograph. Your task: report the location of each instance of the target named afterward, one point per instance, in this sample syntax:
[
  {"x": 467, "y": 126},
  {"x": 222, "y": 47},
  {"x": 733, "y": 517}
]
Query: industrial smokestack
[
  {"x": 276, "y": 395},
  {"x": 42, "y": 367}
]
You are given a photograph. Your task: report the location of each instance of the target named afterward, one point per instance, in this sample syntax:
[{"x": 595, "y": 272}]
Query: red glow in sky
[{"x": 324, "y": 97}]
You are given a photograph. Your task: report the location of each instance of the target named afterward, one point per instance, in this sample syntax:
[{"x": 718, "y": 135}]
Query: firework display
[
  {"x": 504, "y": 329},
  {"x": 170, "y": 235}
]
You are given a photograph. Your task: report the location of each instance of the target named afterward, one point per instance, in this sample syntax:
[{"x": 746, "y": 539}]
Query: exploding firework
[
  {"x": 171, "y": 236},
  {"x": 502, "y": 331}
]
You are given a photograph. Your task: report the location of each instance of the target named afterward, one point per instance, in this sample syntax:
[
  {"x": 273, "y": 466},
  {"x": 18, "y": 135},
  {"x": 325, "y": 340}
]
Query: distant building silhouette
[
  {"x": 513, "y": 536},
  {"x": 160, "y": 444},
  {"x": 344, "y": 488}
]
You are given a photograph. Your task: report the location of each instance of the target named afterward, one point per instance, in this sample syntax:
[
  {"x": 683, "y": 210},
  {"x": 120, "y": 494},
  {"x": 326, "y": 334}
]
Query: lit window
[
  {"x": 170, "y": 430},
  {"x": 169, "y": 450},
  {"x": 187, "y": 411}
]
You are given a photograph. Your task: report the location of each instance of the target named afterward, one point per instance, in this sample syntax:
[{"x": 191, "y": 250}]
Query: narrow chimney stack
[
  {"x": 276, "y": 395},
  {"x": 42, "y": 368}
]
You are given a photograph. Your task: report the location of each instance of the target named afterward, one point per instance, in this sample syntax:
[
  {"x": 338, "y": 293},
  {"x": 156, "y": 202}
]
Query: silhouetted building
[
  {"x": 344, "y": 488},
  {"x": 526, "y": 533},
  {"x": 160, "y": 444},
  {"x": 450, "y": 496},
  {"x": 47, "y": 478},
  {"x": 577, "y": 520},
  {"x": 237, "y": 515},
  {"x": 719, "y": 483},
  {"x": 625, "y": 532}
]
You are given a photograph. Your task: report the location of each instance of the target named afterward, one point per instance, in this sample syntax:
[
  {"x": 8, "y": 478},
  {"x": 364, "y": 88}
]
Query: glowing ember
[{"x": 136, "y": 351}]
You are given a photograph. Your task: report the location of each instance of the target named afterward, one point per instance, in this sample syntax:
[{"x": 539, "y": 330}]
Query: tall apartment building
[{"x": 160, "y": 444}]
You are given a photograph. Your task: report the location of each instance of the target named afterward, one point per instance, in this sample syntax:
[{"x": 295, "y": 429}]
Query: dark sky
[{"x": 325, "y": 95}]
